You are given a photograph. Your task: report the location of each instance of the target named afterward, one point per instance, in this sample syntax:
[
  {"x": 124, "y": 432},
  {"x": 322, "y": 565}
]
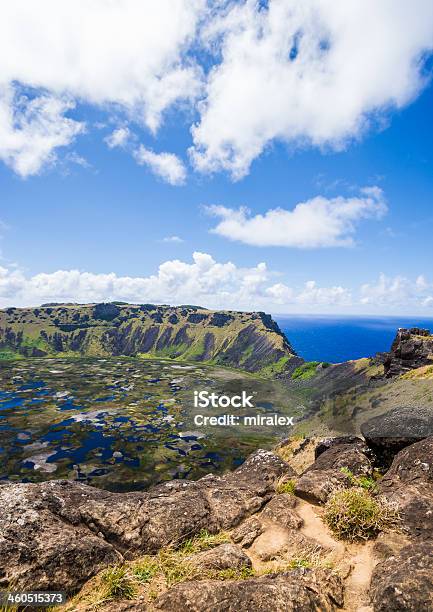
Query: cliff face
[
  {"x": 411, "y": 349},
  {"x": 250, "y": 341}
]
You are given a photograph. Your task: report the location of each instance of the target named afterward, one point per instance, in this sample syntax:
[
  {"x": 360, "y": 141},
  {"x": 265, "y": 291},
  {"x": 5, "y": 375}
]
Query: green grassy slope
[{"x": 249, "y": 341}]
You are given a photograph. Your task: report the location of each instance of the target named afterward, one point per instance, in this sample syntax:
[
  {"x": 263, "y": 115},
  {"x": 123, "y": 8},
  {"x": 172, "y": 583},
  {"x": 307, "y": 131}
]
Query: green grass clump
[
  {"x": 203, "y": 541},
  {"x": 354, "y": 514},
  {"x": 305, "y": 371},
  {"x": 145, "y": 569},
  {"x": 286, "y": 486},
  {"x": 175, "y": 566},
  {"x": 364, "y": 482},
  {"x": 174, "y": 563},
  {"x": 118, "y": 583}
]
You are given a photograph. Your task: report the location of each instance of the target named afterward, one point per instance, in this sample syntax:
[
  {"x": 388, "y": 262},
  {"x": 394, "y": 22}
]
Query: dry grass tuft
[{"x": 354, "y": 514}]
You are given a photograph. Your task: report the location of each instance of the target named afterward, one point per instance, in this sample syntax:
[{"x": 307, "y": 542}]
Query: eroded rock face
[
  {"x": 275, "y": 542},
  {"x": 412, "y": 348},
  {"x": 409, "y": 484},
  {"x": 322, "y": 478},
  {"x": 389, "y": 544},
  {"x": 38, "y": 547},
  {"x": 57, "y": 534},
  {"x": 298, "y": 590},
  {"x": 224, "y": 556},
  {"x": 247, "y": 532},
  {"x": 404, "y": 583},
  {"x": 251, "y": 341},
  {"x": 280, "y": 510},
  {"x": 389, "y": 433}
]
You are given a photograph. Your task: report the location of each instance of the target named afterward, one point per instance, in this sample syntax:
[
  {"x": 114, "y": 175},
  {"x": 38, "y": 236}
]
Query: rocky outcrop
[
  {"x": 327, "y": 443},
  {"x": 387, "y": 434},
  {"x": 250, "y": 341},
  {"x": 224, "y": 556},
  {"x": 57, "y": 534},
  {"x": 326, "y": 474},
  {"x": 409, "y": 485},
  {"x": 412, "y": 348},
  {"x": 404, "y": 583},
  {"x": 299, "y": 590}
]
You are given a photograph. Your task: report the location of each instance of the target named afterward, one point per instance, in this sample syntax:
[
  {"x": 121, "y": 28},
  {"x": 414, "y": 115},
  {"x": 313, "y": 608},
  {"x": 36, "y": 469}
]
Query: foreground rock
[
  {"x": 224, "y": 556},
  {"x": 409, "y": 485},
  {"x": 246, "y": 533},
  {"x": 322, "y": 478},
  {"x": 298, "y": 590},
  {"x": 404, "y": 582},
  {"x": 280, "y": 510},
  {"x": 389, "y": 433},
  {"x": 327, "y": 443},
  {"x": 56, "y": 535}
]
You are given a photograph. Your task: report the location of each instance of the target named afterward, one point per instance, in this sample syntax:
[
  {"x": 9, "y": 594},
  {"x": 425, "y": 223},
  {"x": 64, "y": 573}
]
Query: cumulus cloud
[
  {"x": 398, "y": 290},
  {"x": 167, "y": 166},
  {"x": 213, "y": 284},
  {"x": 32, "y": 128},
  {"x": 118, "y": 137},
  {"x": 297, "y": 72},
  {"x": 121, "y": 54},
  {"x": 316, "y": 72},
  {"x": 319, "y": 222},
  {"x": 204, "y": 281},
  {"x": 310, "y": 294}
]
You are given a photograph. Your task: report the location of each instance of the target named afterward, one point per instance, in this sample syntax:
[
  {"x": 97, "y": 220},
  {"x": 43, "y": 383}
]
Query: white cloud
[
  {"x": 316, "y": 72},
  {"x": 118, "y": 137},
  {"x": 319, "y": 222},
  {"x": 31, "y": 128},
  {"x": 312, "y": 73},
  {"x": 167, "y": 166},
  {"x": 175, "y": 239},
  {"x": 310, "y": 294},
  {"x": 397, "y": 290},
  {"x": 118, "y": 54},
  {"x": 204, "y": 281},
  {"x": 213, "y": 284}
]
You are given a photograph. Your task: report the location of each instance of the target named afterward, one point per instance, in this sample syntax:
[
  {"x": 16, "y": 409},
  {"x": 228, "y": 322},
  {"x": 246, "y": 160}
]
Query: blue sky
[{"x": 98, "y": 218}]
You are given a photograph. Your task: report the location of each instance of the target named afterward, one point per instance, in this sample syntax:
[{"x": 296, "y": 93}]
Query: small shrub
[
  {"x": 286, "y": 486},
  {"x": 369, "y": 484},
  {"x": 118, "y": 583},
  {"x": 353, "y": 514},
  {"x": 364, "y": 482}
]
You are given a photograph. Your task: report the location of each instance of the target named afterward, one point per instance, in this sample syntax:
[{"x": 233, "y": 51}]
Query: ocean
[{"x": 341, "y": 338}]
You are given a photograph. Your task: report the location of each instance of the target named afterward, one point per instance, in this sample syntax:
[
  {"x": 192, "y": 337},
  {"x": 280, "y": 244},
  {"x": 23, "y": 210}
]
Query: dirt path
[{"x": 354, "y": 561}]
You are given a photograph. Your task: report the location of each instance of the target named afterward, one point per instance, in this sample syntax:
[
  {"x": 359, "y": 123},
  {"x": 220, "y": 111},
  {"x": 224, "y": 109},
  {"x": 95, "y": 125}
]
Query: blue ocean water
[{"x": 340, "y": 338}]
